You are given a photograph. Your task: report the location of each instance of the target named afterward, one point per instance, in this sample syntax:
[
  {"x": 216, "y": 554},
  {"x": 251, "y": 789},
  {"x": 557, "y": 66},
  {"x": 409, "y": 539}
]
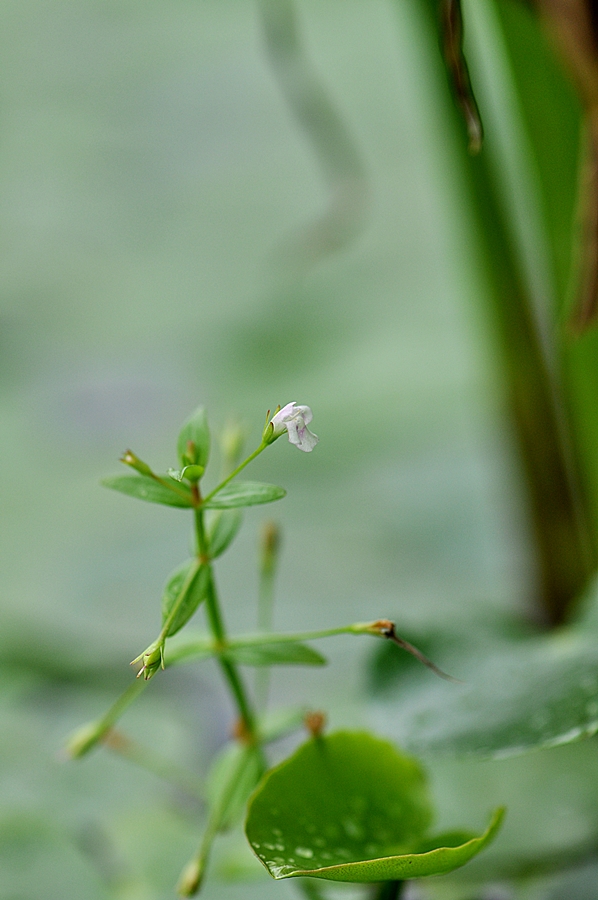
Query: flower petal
[
  {"x": 305, "y": 413},
  {"x": 279, "y": 421},
  {"x": 294, "y": 420},
  {"x": 307, "y": 440}
]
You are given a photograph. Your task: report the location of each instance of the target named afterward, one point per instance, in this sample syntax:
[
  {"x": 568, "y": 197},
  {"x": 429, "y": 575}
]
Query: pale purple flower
[{"x": 294, "y": 420}]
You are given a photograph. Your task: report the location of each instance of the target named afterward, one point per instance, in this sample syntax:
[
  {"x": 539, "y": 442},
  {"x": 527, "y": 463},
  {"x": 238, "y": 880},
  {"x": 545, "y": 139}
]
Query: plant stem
[
  {"x": 216, "y": 817},
  {"x": 275, "y": 638},
  {"x": 390, "y": 890},
  {"x": 235, "y": 472},
  {"x": 219, "y": 632},
  {"x": 310, "y": 889}
]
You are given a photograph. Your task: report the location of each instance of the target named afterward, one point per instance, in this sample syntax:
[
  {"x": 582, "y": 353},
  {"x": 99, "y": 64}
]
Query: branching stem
[{"x": 218, "y": 630}]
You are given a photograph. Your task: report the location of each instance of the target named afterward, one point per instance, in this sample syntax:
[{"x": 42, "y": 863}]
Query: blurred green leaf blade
[
  {"x": 520, "y": 692},
  {"x": 271, "y": 654},
  {"x": 245, "y": 493},
  {"x": 152, "y": 491},
  {"x": 251, "y": 650}
]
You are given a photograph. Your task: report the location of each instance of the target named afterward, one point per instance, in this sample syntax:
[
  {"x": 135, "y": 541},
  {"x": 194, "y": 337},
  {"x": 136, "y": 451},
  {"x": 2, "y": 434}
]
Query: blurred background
[{"x": 201, "y": 204}]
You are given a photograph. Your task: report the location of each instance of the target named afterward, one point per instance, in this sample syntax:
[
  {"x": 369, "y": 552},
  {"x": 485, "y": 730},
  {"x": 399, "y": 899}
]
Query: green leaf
[
  {"x": 223, "y": 530},
  {"x": 185, "y": 590},
  {"x": 245, "y": 493},
  {"x": 350, "y": 807},
  {"x": 269, "y": 654},
  {"x": 145, "y": 488},
  {"x": 193, "y": 444},
  {"x": 253, "y": 650}
]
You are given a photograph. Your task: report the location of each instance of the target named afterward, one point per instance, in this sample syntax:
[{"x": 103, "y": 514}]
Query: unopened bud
[
  {"x": 268, "y": 434},
  {"x": 190, "y": 880},
  {"x": 151, "y": 659},
  {"x": 192, "y": 473},
  {"x": 130, "y": 459},
  {"x": 240, "y": 732},
  {"x": 84, "y": 739}
]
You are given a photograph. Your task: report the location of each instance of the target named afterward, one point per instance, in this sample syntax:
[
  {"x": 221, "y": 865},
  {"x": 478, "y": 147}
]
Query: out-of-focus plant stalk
[
  {"x": 451, "y": 27},
  {"x": 564, "y": 543},
  {"x": 574, "y": 25},
  {"x": 327, "y": 134},
  {"x": 559, "y": 516},
  {"x": 270, "y": 546}
]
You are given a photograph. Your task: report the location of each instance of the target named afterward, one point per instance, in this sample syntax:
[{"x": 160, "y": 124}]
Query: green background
[{"x": 150, "y": 172}]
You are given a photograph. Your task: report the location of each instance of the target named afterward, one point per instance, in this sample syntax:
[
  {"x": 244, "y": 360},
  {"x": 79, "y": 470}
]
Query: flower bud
[
  {"x": 190, "y": 879},
  {"x": 130, "y": 459},
  {"x": 192, "y": 473},
  {"x": 315, "y": 722},
  {"x": 268, "y": 436},
  {"x": 152, "y": 659},
  {"x": 85, "y": 738},
  {"x": 293, "y": 420}
]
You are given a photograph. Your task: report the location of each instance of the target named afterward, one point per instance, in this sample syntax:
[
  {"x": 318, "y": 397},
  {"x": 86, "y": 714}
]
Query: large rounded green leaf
[{"x": 350, "y": 807}]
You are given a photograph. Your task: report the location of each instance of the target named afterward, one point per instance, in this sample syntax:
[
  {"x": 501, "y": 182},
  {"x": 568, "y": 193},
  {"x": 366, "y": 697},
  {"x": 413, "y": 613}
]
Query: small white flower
[{"x": 294, "y": 420}]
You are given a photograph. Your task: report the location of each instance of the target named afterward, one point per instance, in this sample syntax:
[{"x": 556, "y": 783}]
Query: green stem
[
  {"x": 88, "y": 736},
  {"x": 273, "y": 638},
  {"x": 390, "y": 890},
  {"x": 219, "y": 632},
  {"x": 183, "y": 652},
  {"x": 120, "y": 705},
  {"x": 310, "y": 889},
  {"x": 235, "y": 472}
]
